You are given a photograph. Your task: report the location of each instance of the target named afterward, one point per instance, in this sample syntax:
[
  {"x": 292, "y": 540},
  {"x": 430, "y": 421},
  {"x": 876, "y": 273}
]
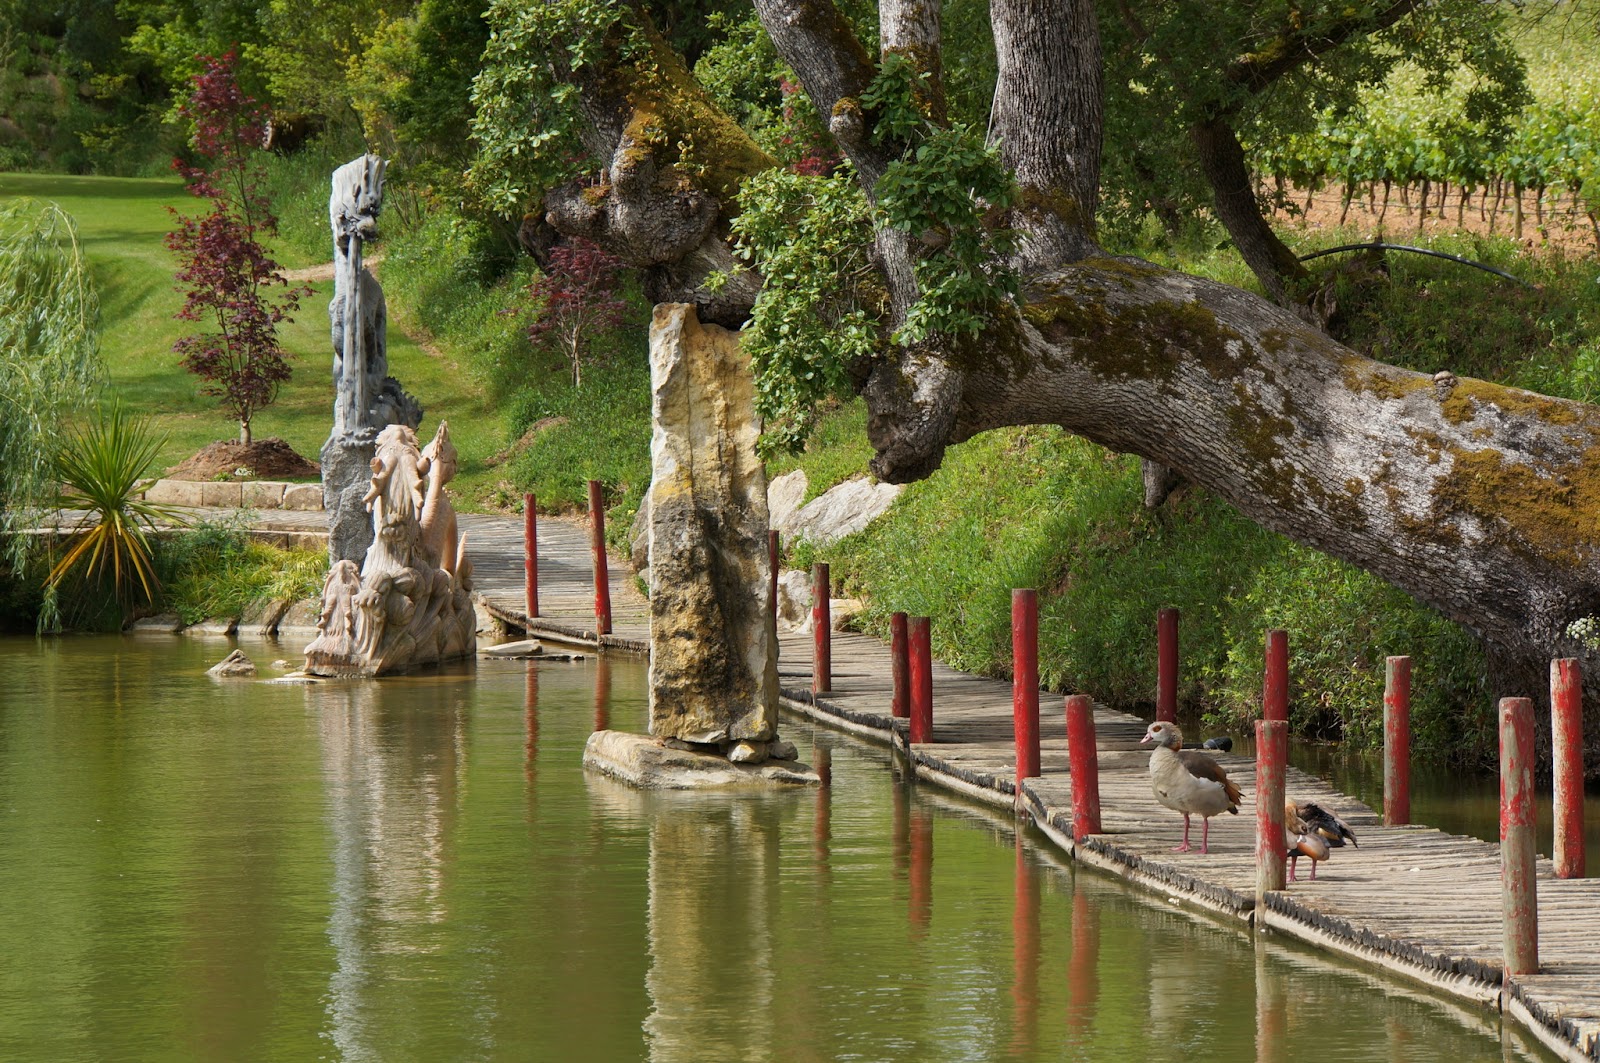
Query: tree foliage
[{"x": 229, "y": 275}]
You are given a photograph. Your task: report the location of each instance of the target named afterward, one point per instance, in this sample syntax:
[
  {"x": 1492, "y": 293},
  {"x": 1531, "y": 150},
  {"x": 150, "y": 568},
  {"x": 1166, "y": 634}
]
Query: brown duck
[{"x": 1188, "y": 781}]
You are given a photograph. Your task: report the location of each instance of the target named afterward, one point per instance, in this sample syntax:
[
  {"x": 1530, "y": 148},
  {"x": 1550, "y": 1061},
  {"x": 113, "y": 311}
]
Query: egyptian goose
[
  {"x": 1300, "y": 840},
  {"x": 1188, "y": 781},
  {"x": 1325, "y": 824}
]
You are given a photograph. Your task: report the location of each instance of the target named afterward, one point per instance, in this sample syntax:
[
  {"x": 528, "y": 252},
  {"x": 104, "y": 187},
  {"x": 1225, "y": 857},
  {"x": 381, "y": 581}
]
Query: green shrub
[{"x": 216, "y": 570}]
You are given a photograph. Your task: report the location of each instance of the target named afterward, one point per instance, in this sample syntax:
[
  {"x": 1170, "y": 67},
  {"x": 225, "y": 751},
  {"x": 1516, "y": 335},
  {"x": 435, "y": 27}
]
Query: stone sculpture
[
  {"x": 366, "y": 398},
  {"x": 446, "y": 547},
  {"x": 403, "y": 610}
]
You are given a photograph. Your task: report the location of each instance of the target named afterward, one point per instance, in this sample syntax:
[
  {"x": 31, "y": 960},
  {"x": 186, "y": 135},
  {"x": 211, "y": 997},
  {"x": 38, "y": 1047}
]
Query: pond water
[{"x": 419, "y": 870}]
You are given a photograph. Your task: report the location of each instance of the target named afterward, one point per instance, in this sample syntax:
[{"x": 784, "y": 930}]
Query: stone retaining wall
[{"x": 225, "y": 494}]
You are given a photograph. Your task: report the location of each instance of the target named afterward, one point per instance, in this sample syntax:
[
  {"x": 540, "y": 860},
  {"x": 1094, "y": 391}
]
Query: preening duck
[
  {"x": 1188, "y": 781},
  {"x": 1300, "y": 840},
  {"x": 1326, "y": 825}
]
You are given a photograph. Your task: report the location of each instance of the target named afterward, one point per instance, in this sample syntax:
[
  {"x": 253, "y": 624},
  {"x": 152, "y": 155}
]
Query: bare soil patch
[
  {"x": 262, "y": 459},
  {"x": 1558, "y": 222}
]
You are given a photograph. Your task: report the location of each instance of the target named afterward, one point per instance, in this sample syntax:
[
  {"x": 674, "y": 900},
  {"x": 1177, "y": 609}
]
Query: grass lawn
[{"x": 122, "y": 222}]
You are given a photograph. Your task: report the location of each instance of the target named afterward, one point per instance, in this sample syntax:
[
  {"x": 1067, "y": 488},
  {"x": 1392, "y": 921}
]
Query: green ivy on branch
[
  {"x": 810, "y": 237},
  {"x": 525, "y": 101}
]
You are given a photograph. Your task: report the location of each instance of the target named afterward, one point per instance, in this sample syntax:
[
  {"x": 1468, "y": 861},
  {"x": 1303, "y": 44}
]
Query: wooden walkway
[{"x": 1411, "y": 900}]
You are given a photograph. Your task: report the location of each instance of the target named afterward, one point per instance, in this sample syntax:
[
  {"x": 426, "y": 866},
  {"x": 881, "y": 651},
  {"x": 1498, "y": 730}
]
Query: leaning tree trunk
[{"x": 1234, "y": 199}]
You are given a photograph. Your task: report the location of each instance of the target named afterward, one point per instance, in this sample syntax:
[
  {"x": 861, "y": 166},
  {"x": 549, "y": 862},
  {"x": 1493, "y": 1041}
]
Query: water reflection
[
  {"x": 390, "y": 780},
  {"x": 530, "y": 726},
  {"x": 920, "y": 846},
  {"x": 713, "y": 886},
  {"x": 602, "y": 692},
  {"x": 1025, "y": 952},
  {"x": 1083, "y": 965},
  {"x": 1272, "y": 1010}
]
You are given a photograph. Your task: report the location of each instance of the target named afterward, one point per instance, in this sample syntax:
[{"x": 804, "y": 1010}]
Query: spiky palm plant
[{"x": 100, "y": 467}]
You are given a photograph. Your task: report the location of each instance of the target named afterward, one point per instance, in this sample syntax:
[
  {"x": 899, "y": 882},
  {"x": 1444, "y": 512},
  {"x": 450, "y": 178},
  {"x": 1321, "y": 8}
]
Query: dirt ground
[
  {"x": 1565, "y": 225},
  {"x": 263, "y": 459}
]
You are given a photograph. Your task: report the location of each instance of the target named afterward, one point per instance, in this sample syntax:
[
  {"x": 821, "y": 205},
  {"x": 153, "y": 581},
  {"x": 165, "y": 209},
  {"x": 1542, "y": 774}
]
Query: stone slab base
[{"x": 640, "y": 760}]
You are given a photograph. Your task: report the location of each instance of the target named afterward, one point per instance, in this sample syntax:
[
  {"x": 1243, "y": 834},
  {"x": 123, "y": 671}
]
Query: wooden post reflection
[
  {"x": 602, "y": 692},
  {"x": 921, "y": 853},
  {"x": 1083, "y": 979},
  {"x": 900, "y": 830},
  {"x": 822, "y": 828},
  {"x": 1025, "y": 947},
  {"x": 530, "y": 718},
  {"x": 1272, "y": 1012}
]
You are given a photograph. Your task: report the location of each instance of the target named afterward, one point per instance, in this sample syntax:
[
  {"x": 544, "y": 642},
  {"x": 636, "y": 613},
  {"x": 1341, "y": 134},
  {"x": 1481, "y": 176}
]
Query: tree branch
[{"x": 1294, "y": 46}]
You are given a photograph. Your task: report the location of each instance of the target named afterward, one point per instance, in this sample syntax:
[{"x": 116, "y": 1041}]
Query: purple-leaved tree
[
  {"x": 226, "y": 274},
  {"x": 578, "y": 297}
]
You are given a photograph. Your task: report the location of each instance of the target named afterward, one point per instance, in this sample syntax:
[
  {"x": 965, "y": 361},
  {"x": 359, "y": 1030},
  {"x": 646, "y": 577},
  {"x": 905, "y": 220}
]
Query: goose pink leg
[{"x": 1185, "y": 846}]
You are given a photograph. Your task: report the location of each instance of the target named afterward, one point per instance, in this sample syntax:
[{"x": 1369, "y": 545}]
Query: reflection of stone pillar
[
  {"x": 713, "y": 881},
  {"x": 713, "y": 669}
]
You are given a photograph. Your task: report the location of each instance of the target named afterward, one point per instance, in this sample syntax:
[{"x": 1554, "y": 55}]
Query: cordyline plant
[
  {"x": 577, "y": 298},
  {"x": 226, "y": 274}
]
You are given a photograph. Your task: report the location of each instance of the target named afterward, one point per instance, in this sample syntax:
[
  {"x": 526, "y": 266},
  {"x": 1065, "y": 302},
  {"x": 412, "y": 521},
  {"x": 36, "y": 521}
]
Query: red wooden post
[
  {"x": 597, "y": 546},
  {"x": 1275, "y": 691},
  {"x": 821, "y": 631},
  {"x": 530, "y": 551},
  {"x": 1518, "y": 895},
  {"x": 1025, "y": 681},
  {"x": 900, "y": 666},
  {"x": 921, "y": 667},
  {"x": 1397, "y": 741},
  {"x": 1167, "y": 665},
  {"x": 1272, "y": 753},
  {"x": 602, "y": 693},
  {"x": 1084, "y": 766},
  {"x": 1566, "y": 750}
]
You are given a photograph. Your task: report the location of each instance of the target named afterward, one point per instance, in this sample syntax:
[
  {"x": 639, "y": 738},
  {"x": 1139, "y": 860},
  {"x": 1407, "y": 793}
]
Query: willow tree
[
  {"x": 982, "y": 299},
  {"x": 49, "y": 357}
]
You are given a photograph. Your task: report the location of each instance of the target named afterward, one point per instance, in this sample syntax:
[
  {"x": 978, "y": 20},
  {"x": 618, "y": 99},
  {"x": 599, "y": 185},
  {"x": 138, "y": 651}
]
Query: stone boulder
[
  {"x": 234, "y": 666},
  {"x": 842, "y": 510},
  {"x": 649, "y": 763},
  {"x": 713, "y": 672}
]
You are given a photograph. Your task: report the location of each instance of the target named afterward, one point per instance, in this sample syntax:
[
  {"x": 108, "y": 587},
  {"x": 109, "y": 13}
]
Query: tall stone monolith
[
  {"x": 366, "y": 398},
  {"x": 713, "y": 672}
]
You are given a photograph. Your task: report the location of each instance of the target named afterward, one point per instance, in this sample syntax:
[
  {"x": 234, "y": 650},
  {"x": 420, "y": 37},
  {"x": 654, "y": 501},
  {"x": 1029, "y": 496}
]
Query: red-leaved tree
[
  {"x": 578, "y": 297},
  {"x": 225, "y": 272}
]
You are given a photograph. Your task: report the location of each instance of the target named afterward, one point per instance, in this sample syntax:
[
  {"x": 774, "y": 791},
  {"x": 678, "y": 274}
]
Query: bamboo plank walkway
[{"x": 1412, "y": 900}]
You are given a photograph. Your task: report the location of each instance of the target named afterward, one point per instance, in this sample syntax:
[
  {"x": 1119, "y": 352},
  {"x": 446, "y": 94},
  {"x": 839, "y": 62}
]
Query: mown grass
[{"x": 123, "y": 222}]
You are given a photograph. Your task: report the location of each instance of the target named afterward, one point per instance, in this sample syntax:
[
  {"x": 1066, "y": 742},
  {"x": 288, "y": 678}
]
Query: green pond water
[{"x": 420, "y": 870}]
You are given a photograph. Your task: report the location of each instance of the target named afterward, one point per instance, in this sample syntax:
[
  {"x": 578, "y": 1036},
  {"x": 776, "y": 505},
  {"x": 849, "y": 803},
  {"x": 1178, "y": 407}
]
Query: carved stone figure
[
  {"x": 366, "y": 398},
  {"x": 439, "y": 534},
  {"x": 404, "y": 610}
]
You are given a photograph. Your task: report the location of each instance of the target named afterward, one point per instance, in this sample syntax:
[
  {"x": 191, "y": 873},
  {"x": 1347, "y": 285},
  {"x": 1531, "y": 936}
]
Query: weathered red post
[
  {"x": 900, "y": 667},
  {"x": 530, "y": 553},
  {"x": 1518, "y": 895},
  {"x": 1566, "y": 750},
  {"x": 1275, "y": 690},
  {"x": 772, "y": 579},
  {"x": 1167, "y": 665},
  {"x": 1025, "y": 680},
  {"x": 1397, "y": 741},
  {"x": 920, "y": 654},
  {"x": 821, "y": 631},
  {"x": 597, "y": 547},
  {"x": 1272, "y": 753},
  {"x": 1084, "y": 766}
]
